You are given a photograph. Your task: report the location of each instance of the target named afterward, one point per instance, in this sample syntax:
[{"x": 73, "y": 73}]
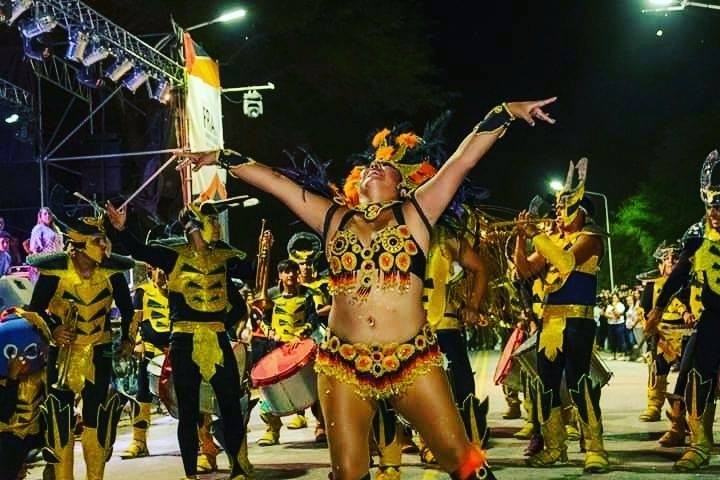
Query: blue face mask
[{"x": 19, "y": 338}]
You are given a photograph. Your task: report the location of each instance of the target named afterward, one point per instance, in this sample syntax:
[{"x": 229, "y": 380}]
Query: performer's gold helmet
[
  {"x": 709, "y": 193},
  {"x": 304, "y": 248},
  {"x": 194, "y": 217},
  {"x": 568, "y": 200}
]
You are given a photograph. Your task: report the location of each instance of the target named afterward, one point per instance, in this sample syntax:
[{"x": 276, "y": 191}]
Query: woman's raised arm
[
  {"x": 435, "y": 195},
  {"x": 308, "y": 206}
]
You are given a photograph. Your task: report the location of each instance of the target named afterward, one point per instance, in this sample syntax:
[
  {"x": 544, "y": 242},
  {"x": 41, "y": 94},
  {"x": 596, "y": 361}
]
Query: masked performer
[
  {"x": 150, "y": 301},
  {"x": 567, "y": 333},
  {"x": 447, "y": 313},
  {"x": 700, "y": 252},
  {"x": 291, "y": 319},
  {"x": 305, "y": 249},
  {"x": 379, "y": 345},
  {"x": 204, "y": 304},
  {"x": 24, "y": 339},
  {"x": 665, "y": 348},
  {"x": 77, "y": 290}
]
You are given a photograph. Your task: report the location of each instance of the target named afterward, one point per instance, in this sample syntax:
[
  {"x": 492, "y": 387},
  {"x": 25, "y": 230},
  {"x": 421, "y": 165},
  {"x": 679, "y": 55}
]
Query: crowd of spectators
[{"x": 620, "y": 322}]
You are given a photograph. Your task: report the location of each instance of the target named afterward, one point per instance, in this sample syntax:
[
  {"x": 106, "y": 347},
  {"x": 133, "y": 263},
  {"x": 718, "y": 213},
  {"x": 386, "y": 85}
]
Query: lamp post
[
  {"x": 225, "y": 17},
  {"x": 557, "y": 185},
  {"x": 676, "y": 5}
]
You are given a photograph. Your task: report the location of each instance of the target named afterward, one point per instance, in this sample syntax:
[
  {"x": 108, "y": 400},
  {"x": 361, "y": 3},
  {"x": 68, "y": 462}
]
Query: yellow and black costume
[
  {"x": 666, "y": 347},
  {"x": 291, "y": 318},
  {"x": 696, "y": 268},
  {"x": 151, "y": 303},
  {"x": 24, "y": 337},
  {"x": 443, "y": 314},
  {"x": 567, "y": 333},
  {"x": 82, "y": 304},
  {"x": 203, "y": 304}
]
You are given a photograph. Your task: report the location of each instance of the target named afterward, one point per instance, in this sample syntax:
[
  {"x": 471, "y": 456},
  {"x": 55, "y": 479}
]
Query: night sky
[{"x": 621, "y": 87}]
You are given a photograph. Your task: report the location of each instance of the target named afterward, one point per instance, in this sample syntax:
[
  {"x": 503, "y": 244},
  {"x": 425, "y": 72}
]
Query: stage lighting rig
[
  {"x": 10, "y": 10},
  {"x": 78, "y": 41},
  {"x": 33, "y": 27},
  {"x": 161, "y": 91},
  {"x": 135, "y": 79},
  {"x": 120, "y": 67}
]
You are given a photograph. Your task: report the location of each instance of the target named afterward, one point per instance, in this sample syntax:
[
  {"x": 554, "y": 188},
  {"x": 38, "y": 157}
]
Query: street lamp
[
  {"x": 676, "y": 5},
  {"x": 556, "y": 186},
  {"x": 225, "y": 17}
]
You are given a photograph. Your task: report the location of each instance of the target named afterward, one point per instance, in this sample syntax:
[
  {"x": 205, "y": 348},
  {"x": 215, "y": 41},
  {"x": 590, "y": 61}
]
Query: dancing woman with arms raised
[{"x": 379, "y": 345}]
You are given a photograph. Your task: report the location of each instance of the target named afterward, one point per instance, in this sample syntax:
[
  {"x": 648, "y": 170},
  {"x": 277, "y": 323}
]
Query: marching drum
[
  {"x": 526, "y": 354},
  {"x": 162, "y": 386},
  {"x": 286, "y": 378},
  {"x": 508, "y": 370}
]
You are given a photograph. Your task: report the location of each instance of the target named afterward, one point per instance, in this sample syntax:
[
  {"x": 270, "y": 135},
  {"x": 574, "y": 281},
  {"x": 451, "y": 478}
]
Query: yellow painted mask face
[
  {"x": 210, "y": 229},
  {"x": 568, "y": 205},
  {"x": 97, "y": 246}
]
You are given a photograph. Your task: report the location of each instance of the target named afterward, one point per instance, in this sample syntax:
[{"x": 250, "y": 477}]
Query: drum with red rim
[
  {"x": 508, "y": 369},
  {"x": 286, "y": 378},
  {"x": 162, "y": 386}
]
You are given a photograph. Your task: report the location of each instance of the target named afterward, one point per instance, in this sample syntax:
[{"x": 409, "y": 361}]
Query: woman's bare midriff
[{"x": 385, "y": 316}]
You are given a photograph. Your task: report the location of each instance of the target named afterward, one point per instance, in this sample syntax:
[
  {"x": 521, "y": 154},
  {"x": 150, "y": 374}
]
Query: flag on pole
[{"x": 203, "y": 104}]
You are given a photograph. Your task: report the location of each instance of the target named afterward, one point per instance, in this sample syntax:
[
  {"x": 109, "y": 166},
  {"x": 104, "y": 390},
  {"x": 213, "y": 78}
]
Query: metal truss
[
  {"x": 62, "y": 74},
  {"x": 73, "y": 14},
  {"x": 15, "y": 95}
]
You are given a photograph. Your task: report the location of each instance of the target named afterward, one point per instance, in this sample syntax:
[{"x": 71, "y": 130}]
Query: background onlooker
[
  {"x": 5, "y": 258},
  {"x": 615, "y": 313},
  {"x": 45, "y": 236}
]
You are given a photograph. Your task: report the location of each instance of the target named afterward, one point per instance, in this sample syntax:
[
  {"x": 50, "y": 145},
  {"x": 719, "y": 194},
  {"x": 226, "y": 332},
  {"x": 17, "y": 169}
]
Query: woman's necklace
[{"x": 370, "y": 211}]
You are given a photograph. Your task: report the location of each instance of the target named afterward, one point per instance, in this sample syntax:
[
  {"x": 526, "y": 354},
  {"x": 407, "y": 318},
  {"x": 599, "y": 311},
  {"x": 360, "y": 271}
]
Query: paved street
[{"x": 632, "y": 445}]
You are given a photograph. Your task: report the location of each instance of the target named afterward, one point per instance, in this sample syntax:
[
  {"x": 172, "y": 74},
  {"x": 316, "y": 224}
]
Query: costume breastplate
[
  {"x": 201, "y": 278},
  {"x": 93, "y": 298},
  {"x": 156, "y": 311},
  {"x": 25, "y": 420},
  {"x": 674, "y": 311},
  {"x": 706, "y": 261},
  {"x": 155, "y": 307},
  {"x": 439, "y": 279},
  {"x": 385, "y": 263},
  {"x": 288, "y": 316},
  {"x": 554, "y": 280}
]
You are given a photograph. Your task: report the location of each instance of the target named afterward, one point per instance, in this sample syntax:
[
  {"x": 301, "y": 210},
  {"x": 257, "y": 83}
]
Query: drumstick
[{"x": 147, "y": 182}]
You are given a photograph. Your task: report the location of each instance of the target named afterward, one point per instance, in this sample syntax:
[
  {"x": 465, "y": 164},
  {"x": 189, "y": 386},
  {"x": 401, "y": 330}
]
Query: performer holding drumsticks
[{"x": 203, "y": 305}]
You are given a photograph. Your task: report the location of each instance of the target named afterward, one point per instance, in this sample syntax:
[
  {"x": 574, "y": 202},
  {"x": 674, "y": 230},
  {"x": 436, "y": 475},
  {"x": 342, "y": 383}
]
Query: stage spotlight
[
  {"x": 34, "y": 51},
  {"x": 37, "y": 26},
  {"x": 133, "y": 81},
  {"x": 120, "y": 67},
  {"x": 78, "y": 41},
  {"x": 13, "y": 118},
  {"x": 11, "y": 10},
  {"x": 162, "y": 91},
  {"x": 95, "y": 52},
  {"x": 252, "y": 104}
]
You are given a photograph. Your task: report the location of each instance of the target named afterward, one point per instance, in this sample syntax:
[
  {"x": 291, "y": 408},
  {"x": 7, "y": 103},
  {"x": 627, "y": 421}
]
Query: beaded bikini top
[{"x": 386, "y": 263}]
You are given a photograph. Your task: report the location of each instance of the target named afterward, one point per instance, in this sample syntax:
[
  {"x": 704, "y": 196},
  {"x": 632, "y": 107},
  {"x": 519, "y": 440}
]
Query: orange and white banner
[{"x": 203, "y": 106}]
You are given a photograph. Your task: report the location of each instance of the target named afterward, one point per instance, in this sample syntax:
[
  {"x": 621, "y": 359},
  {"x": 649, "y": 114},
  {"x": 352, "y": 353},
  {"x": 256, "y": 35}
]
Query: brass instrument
[
  {"x": 70, "y": 322},
  {"x": 512, "y": 224},
  {"x": 262, "y": 273}
]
